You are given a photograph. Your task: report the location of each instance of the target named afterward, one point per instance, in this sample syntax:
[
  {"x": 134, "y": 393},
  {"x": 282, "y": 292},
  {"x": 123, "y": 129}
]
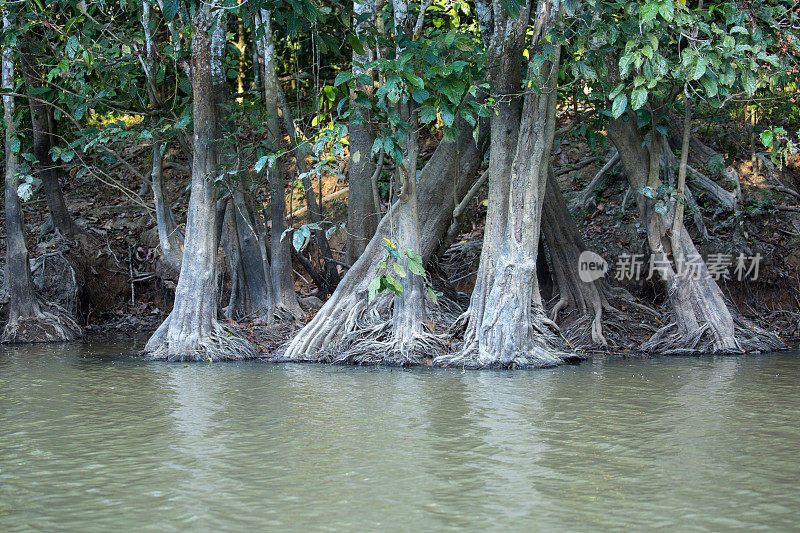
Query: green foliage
[
  {"x": 664, "y": 196},
  {"x": 302, "y": 234},
  {"x": 439, "y": 74},
  {"x": 779, "y": 145},
  {"x": 645, "y": 52},
  {"x": 392, "y": 265}
]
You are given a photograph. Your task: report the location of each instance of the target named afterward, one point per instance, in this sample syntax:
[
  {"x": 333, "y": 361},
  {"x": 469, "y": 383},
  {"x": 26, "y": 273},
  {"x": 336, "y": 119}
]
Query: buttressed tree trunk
[
  {"x": 43, "y": 141},
  {"x": 281, "y": 261},
  {"x": 346, "y": 312},
  {"x": 29, "y": 319},
  {"x": 396, "y": 335},
  {"x": 701, "y": 319},
  {"x": 363, "y": 212},
  {"x": 192, "y": 332},
  {"x": 251, "y": 297},
  {"x": 505, "y": 44},
  {"x": 513, "y": 330}
]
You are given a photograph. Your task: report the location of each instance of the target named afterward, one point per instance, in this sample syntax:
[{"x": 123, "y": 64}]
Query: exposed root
[
  {"x": 52, "y": 323},
  {"x": 750, "y": 338},
  {"x": 224, "y": 343},
  {"x": 587, "y": 197},
  {"x": 284, "y": 314},
  {"x": 460, "y": 261},
  {"x": 55, "y": 276},
  {"x": 617, "y": 323},
  {"x": 374, "y": 344},
  {"x": 366, "y": 336}
]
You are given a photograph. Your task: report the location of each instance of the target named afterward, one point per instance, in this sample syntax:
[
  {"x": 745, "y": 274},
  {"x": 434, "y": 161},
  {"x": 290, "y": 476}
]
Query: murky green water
[{"x": 91, "y": 440}]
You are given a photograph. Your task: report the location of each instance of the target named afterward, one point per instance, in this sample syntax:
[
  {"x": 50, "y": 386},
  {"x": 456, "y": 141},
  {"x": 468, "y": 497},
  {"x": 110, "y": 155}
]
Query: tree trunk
[
  {"x": 583, "y": 303},
  {"x": 363, "y": 214},
  {"x": 408, "y": 314},
  {"x": 251, "y": 295},
  {"x": 192, "y": 332},
  {"x": 511, "y": 329},
  {"x": 170, "y": 237},
  {"x": 281, "y": 260},
  {"x": 701, "y": 319},
  {"x": 29, "y": 320},
  {"x": 330, "y": 268},
  {"x": 506, "y": 44},
  {"x": 43, "y": 141}
]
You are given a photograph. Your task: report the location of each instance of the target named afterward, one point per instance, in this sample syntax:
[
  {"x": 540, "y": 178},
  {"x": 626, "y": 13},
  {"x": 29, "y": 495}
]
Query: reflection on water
[{"x": 92, "y": 439}]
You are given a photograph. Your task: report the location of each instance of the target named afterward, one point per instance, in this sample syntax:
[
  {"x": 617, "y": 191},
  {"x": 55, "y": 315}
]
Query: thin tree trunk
[
  {"x": 251, "y": 296},
  {"x": 281, "y": 260},
  {"x": 330, "y": 267},
  {"x": 169, "y": 236},
  {"x": 29, "y": 320},
  {"x": 43, "y": 141},
  {"x": 192, "y": 332}
]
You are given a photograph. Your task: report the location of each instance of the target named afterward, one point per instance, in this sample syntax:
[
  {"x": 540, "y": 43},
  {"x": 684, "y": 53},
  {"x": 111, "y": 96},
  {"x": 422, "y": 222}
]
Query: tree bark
[
  {"x": 29, "y": 320},
  {"x": 281, "y": 260},
  {"x": 169, "y": 235},
  {"x": 344, "y": 312},
  {"x": 251, "y": 295},
  {"x": 590, "y": 317},
  {"x": 507, "y": 326},
  {"x": 506, "y": 45},
  {"x": 43, "y": 141},
  {"x": 192, "y": 332}
]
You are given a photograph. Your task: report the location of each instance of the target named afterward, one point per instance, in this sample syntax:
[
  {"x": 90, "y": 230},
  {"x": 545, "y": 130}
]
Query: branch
[{"x": 421, "y": 17}]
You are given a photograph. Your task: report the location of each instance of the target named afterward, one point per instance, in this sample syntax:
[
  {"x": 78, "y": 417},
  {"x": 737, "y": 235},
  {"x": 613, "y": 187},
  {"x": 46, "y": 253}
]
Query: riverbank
[{"x": 115, "y": 280}]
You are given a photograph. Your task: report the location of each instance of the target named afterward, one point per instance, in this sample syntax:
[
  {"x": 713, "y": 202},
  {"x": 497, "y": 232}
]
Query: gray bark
[
  {"x": 512, "y": 332},
  {"x": 251, "y": 294},
  {"x": 192, "y": 332},
  {"x": 506, "y": 45},
  {"x": 702, "y": 319},
  {"x": 507, "y": 326},
  {"x": 281, "y": 260},
  {"x": 169, "y": 235},
  {"x": 342, "y": 313},
  {"x": 566, "y": 245}
]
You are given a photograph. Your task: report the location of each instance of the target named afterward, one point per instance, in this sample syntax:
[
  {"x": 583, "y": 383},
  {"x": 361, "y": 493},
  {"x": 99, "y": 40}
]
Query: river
[{"x": 92, "y": 439}]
